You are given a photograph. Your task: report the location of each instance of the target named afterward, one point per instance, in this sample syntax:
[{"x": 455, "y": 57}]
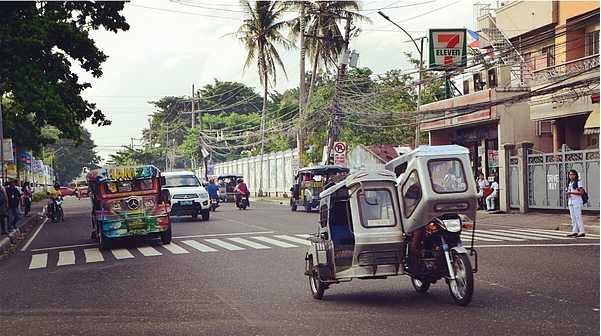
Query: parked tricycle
[
  {"x": 406, "y": 220},
  {"x": 309, "y": 182}
]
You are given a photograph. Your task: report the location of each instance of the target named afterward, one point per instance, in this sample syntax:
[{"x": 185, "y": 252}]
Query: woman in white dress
[{"x": 574, "y": 193}]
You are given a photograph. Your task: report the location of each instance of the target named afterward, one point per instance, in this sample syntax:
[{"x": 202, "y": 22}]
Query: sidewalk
[
  {"x": 547, "y": 221},
  {"x": 8, "y": 243}
]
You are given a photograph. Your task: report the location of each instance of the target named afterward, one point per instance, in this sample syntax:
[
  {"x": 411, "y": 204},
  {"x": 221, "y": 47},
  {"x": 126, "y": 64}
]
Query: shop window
[
  {"x": 591, "y": 44},
  {"x": 549, "y": 55},
  {"x": 466, "y": 87},
  {"x": 492, "y": 156}
]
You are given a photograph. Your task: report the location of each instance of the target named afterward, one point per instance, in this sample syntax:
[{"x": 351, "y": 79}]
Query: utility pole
[
  {"x": 336, "y": 113},
  {"x": 419, "y": 91},
  {"x": 167, "y": 149},
  {"x": 2, "y": 140},
  {"x": 192, "y": 100},
  {"x": 300, "y": 140}
]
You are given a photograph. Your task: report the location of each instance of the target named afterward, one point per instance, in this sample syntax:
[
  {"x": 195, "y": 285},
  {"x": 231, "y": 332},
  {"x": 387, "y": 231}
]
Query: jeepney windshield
[
  {"x": 447, "y": 176},
  {"x": 376, "y": 208},
  {"x": 129, "y": 186}
]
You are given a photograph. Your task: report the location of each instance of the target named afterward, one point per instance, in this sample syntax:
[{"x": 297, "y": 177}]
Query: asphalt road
[{"x": 241, "y": 273}]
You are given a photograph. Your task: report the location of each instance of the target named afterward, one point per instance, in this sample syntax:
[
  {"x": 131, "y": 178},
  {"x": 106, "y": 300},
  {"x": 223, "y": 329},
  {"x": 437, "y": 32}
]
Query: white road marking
[
  {"x": 122, "y": 254},
  {"x": 518, "y": 235},
  {"x": 538, "y": 245},
  {"x": 496, "y": 235},
  {"x": 93, "y": 255},
  {"x": 198, "y": 246},
  {"x": 34, "y": 235},
  {"x": 294, "y": 239},
  {"x": 66, "y": 258},
  {"x": 38, "y": 261},
  {"x": 225, "y": 245},
  {"x": 536, "y": 234},
  {"x": 558, "y": 233},
  {"x": 273, "y": 241},
  {"x": 224, "y": 234},
  {"x": 175, "y": 249},
  {"x": 303, "y": 235},
  {"x": 149, "y": 251},
  {"x": 62, "y": 247},
  {"x": 477, "y": 236},
  {"x": 249, "y": 243}
]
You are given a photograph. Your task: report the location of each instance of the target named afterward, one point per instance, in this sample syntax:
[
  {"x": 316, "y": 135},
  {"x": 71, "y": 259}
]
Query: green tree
[
  {"x": 69, "y": 157},
  {"x": 228, "y": 97},
  {"x": 39, "y": 41}
]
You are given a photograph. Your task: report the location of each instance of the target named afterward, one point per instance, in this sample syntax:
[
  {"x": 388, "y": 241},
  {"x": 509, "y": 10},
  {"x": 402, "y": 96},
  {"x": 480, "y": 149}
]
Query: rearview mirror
[{"x": 162, "y": 180}]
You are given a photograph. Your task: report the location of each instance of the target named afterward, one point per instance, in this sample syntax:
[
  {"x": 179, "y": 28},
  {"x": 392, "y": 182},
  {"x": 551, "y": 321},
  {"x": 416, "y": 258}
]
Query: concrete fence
[{"x": 277, "y": 171}]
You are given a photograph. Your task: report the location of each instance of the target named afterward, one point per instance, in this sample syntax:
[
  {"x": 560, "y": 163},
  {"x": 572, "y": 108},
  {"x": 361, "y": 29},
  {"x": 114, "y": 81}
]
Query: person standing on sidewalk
[
  {"x": 482, "y": 183},
  {"x": 27, "y": 194},
  {"x": 3, "y": 212},
  {"x": 492, "y": 198},
  {"x": 574, "y": 194},
  {"x": 14, "y": 198}
]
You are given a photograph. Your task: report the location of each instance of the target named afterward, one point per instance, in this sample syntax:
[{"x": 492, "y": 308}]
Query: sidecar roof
[
  {"x": 358, "y": 177},
  {"x": 425, "y": 151}
]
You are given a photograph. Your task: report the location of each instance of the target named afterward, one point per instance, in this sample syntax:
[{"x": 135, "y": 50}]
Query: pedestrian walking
[
  {"x": 492, "y": 198},
  {"x": 574, "y": 193},
  {"x": 26, "y": 198},
  {"x": 3, "y": 212},
  {"x": 14, "y": 198}
]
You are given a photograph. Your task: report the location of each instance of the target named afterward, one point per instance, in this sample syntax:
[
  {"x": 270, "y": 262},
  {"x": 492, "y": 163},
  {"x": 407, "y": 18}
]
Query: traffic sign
[{"x": 340, "y": 153}]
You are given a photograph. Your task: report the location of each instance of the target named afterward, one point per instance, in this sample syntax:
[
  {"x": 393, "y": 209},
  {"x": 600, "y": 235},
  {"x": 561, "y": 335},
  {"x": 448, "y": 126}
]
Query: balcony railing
[{"x": 559, "y": 71}]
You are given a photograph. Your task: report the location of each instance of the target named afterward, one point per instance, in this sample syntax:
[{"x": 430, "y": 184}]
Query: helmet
[
  {"x": 239, "y": 180},
  {"x": 57, "y": 186}
]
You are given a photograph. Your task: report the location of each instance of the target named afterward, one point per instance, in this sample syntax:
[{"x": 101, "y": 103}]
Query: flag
[{"x": 473, "y": 39}]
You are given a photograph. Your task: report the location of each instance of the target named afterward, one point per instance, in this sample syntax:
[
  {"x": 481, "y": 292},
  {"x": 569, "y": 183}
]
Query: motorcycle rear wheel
[{"x": 462, "y": 289}]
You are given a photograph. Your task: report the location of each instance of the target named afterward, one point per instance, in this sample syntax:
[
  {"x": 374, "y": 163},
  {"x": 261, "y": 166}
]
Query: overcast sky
[{"x": 171, "y": 46}]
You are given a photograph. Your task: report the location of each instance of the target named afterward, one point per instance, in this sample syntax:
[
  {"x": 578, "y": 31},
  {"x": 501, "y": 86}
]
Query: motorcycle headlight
[{"x": 452, "y": 225}]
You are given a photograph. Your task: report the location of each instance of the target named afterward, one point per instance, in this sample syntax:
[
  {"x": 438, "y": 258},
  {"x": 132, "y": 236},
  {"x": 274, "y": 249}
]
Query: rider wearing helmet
[
  {"x": 53, "y": 194},
  {"x": 241, "y": 189}
]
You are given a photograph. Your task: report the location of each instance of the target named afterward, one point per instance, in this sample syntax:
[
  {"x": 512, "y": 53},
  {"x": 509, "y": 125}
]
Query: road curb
[{"x": 9, "y": 243}]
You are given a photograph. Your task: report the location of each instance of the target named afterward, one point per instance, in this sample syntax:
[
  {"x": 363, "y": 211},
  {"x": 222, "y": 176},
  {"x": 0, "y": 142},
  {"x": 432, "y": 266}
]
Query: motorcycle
[
  {"x": 55, "y": 210},
  {"x": 214, "y": 204},
  {"x": 242, "y": 201}
]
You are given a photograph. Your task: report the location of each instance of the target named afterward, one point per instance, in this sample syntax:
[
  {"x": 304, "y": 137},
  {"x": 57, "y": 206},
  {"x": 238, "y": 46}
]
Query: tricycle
[
  {"x": 309, "y": 182},
  {"x": 406, "y": 220}
]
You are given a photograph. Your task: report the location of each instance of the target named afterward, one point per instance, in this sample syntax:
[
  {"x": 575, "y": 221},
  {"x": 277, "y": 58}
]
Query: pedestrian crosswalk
[{"x": 52, "y": 257}]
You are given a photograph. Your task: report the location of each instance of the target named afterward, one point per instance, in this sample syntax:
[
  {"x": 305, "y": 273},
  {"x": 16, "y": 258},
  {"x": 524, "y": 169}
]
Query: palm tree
[
  {"x": 260, "y": 32},
  {"x": 324, "y": 41}
]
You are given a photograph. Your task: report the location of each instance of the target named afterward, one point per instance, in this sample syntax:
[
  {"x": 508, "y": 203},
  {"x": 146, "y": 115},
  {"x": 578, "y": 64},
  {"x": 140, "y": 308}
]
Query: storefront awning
[{"x": 592, "y": 122}]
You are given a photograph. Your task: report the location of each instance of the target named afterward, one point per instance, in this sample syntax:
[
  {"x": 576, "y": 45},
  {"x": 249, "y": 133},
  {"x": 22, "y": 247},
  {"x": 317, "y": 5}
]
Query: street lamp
[{"x": 420, "y": 50}]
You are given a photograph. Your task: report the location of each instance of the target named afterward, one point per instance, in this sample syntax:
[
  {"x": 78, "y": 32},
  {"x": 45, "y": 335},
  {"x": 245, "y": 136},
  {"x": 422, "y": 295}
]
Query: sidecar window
[
  {"x": 447, "y": 176},
  {"x": 412, "y": 193},
  {"x": 376, "y": 208}
]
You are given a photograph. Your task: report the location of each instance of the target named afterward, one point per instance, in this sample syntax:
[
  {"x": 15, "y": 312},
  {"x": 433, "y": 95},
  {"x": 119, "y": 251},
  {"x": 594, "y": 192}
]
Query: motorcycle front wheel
[
  {"x": 420, "y": 286},
  {"x": 462, "y": 288}
]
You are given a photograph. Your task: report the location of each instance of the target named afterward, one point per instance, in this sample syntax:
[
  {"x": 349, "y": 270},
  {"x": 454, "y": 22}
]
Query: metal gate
[
  {"x": 514, "y": 182},
  {"x": 547, "y": 178}
]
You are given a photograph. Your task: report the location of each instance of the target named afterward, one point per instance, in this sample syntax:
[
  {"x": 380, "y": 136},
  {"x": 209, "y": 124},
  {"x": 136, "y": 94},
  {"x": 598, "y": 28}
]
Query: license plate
[{"x": 186, "y": 202}]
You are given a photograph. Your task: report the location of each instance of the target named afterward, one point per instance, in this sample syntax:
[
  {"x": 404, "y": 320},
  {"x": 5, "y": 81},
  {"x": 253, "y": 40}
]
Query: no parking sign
[{"x": 340, "y": 153}]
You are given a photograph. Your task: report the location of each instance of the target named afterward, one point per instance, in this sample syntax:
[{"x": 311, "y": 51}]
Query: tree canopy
[{"x": 39, "y": 44}]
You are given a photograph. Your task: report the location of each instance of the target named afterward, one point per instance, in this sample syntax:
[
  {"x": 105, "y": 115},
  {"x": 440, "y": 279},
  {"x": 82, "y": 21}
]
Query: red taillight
[{"x": 431, "y": 228}]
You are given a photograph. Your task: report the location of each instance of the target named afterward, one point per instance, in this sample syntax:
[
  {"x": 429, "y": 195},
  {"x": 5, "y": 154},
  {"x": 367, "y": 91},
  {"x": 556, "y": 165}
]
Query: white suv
[{"x": 188, "y": 196}]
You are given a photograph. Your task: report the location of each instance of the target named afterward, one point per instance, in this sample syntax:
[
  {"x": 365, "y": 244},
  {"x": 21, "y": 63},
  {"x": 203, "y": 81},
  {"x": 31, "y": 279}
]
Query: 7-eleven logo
[
  {"x": 451, "y": 41},
  {"x": 448, "y": 47}
]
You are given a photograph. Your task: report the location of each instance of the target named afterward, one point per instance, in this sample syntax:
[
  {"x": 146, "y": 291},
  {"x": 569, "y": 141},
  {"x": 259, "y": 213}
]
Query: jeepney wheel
[
  {"x": 420, "y": 286},
  {"x": 462, "y": 288},
  {"x": 104, "y": 242},
  {"x": 292, "y": 204},
  {"x": 166, "y": 236},
  {"x": 317, "y": 286}
]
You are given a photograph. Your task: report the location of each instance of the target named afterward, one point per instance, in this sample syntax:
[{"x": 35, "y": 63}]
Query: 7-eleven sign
[{"x": 448, "y": 48}]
